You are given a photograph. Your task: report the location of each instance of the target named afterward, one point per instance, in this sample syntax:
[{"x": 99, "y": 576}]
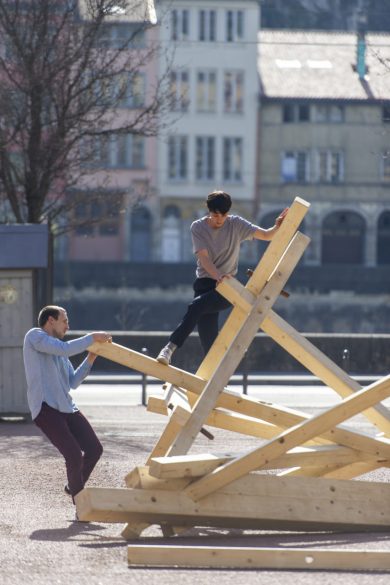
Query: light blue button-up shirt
[{"x": 49, "y": 372}]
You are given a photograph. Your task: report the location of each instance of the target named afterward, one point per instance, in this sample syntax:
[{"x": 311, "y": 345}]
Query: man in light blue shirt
[{"x": 50, "y": 376}]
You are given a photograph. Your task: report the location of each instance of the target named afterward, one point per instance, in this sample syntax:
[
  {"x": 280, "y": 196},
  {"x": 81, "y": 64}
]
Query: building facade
[
  {"x": 324, "y": 135},
  {"x": 210, "y": 142},
  {"x": 126, "y": 164}
]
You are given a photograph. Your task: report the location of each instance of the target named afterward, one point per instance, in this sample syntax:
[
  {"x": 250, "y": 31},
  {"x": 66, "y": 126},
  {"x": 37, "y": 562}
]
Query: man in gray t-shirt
[{"x": 216, "y": 240}]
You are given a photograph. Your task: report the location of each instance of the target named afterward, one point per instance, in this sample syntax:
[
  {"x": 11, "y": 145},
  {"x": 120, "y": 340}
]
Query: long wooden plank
[
  {"x": 257, "y": 500},
  {"x": 348, "y": 470},
  {"x": 287, "y": 417},
  {"x": 146, "y": 481},
  {"x": 320, "y": 365},
  {"x": 226, "y": 420},
  {"x": 256, "y": 283},
  {"x": 147, "y": 365},
  {"x": 243, "y": 338},
  {"x": 282, "y": 417},
  {"x": 291, "y": 438},
  {"x": 304, "y": 352},
  {"x": 170, "y": 432},
  {"x": 232, "y": 557},
  {"x": 198, "y": 465}
]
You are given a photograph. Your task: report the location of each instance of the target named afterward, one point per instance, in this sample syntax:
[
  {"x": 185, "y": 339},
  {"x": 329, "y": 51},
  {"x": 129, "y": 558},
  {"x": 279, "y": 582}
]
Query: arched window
[
  {"x": 171, "y": 234},
  {"x": 141, "y": 235},
  {"x": 343, "y": 235},
  {"x": 383, "y": 239}
]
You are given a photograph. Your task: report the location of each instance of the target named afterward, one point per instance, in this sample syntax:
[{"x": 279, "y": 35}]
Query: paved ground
[{"x": 41, "y": 544}]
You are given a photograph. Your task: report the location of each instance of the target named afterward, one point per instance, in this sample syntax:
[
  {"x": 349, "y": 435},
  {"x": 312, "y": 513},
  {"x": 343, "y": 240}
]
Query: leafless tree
[{"x": 64, "y": 77}]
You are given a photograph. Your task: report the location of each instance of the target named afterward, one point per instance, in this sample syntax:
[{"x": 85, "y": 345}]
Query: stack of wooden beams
[{"x": 314, "y": 458}]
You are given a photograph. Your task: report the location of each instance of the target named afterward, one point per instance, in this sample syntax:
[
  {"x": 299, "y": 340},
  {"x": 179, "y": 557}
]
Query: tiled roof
[
  {"x": 319, "y": 65},
  {"x": 129, "y": 11}
]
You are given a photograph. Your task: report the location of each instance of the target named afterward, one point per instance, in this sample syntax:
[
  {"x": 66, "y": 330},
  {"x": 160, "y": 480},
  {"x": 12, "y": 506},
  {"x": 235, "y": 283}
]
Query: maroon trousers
[{"x": 75, "y": 439}]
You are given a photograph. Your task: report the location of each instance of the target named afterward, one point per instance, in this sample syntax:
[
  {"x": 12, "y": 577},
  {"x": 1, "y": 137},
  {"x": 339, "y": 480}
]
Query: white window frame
[
  {"x": 126, "y": 151},
  {"x": 205, "y": 149},
  {"x": 233, "y": 81},
  {"x": 235, "y": 26},
  {"x": 232, "y": 163},
  {"x": 293, "y": 175},
  {"x": 206, "y": 90},
  {"x": 131, "y": 90},
  {"x": 207, "y": 25},
  {"x": 329, "y": 155},
  {"x": 333, "y": 113},
  {"x": 180, "y": 90},
  {"x": 177, "y": 153},
  {"x": 180, "y": 24}
]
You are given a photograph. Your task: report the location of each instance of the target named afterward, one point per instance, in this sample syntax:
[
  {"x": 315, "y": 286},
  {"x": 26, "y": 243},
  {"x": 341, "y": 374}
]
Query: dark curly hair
[{"x": 219, "y": 202}]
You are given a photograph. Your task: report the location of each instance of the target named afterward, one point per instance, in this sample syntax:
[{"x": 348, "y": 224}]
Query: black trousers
[
  {"x": 75, "y": 439},
  {"x": 202, "y": 312}
]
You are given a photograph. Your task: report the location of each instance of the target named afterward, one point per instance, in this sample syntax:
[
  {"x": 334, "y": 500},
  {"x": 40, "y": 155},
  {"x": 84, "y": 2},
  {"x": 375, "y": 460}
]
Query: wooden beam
[
  {"x": 304, "y": 351},
  {"x": 132, "y": 531},
  {"x": 226, "y": 420},
  {"x": 320, "y": 365},
  {"x": 291, "y": 438},
  {"x": 348, "y": 470},
  {"x": 243, "y": 338},
  {"x": 145, "y": 481},
  {"x": 260, "y": 501},
  {"x": 198, "y": 465},
  {"x": 287, "y": 417},
  {"x": 170, "y": 432},
  {"x": 143, "y": 363},
  {"x": 233, "y": 557}
]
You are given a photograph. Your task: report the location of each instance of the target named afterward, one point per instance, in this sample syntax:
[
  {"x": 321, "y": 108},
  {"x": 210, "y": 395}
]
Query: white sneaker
[{"x": 165, "y": 355}]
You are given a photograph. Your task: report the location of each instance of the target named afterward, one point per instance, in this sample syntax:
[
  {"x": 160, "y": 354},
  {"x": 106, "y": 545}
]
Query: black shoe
[{"x": 67, "y": 490}]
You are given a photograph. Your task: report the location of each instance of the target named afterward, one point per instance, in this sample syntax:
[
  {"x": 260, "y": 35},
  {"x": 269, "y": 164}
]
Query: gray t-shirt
[{"x": 222, "y": 244}]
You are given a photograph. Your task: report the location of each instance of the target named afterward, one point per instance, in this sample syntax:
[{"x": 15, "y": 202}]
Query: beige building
[{"x": 324, "y": 134}]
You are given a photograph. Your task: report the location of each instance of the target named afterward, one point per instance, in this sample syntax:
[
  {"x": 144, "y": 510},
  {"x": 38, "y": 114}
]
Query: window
[
  {"x": 118, "y": 36},
  {"x": 329, "y": 166},
  {"x": 205, "y": 157},
  {"x": 329, "y": 113},
  {"x": 130, "y": 90},
  {"x": 232, "y": 159},
  {"x": 171, "y": 240},
  {"x": 206, "y": 91},
  {"x": 386, "y": 114},
  {"x": 207, "y": 25},
  {"x": 295, "y": 167},
  {"x": 179, "y": 91},
  {"x": 98, "y": 216},
  {"x": 383, "y": 240},
  {"x": 140, "y": 234},
  {"x": 296, "y": 113},
  {"x": 177, "y": 157},
  {"x": 180, "y": 25},
  {"x": 386, "y": 166},
  {"x": 126, "y": 151},
  {"x": 233, "y": 89},
  {"x": 343, "y": 238},
  {"x": 234, "y": 25},
  {"x": 94, "y": 152}
]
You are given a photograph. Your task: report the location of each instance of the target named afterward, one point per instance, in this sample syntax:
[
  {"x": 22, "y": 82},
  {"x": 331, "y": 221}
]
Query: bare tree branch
[{"x": 67, "y": 68}]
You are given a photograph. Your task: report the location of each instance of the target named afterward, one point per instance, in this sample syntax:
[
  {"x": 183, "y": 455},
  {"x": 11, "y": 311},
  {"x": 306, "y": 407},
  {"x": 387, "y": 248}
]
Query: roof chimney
[{"x": 361, "y": 45}]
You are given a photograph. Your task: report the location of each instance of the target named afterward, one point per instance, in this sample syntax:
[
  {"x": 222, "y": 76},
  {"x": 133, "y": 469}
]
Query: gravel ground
[{"x": 40, "y": 543}]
